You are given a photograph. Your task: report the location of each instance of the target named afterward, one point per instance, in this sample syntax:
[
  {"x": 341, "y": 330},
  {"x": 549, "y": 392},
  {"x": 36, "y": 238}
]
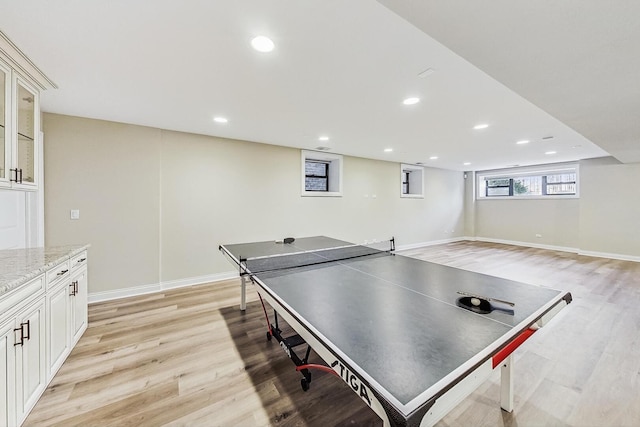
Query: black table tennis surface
[{"x": 395, "y": 317}]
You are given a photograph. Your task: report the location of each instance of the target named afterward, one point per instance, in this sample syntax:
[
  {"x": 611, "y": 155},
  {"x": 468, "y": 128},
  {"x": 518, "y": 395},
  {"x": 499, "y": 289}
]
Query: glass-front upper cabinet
[
  {"x": 5, "y": 101},
  {"x": 25, "y": 155},
  {"x": 19, "y": 131}
]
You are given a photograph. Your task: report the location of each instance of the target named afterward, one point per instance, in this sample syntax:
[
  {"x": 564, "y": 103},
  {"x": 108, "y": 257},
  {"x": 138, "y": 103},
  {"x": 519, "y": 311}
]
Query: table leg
[
  {"x": 243, "y": 293},
  {"x": 506, "y": 384}
]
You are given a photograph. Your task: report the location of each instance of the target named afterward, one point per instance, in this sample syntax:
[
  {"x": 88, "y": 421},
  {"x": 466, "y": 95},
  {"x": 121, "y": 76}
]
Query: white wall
[
  {"x": 602, "y": 221},
  {"x": 610, "y": 209},
  {"x": 111, "y": 173},
  {"x": 12, "y": 219},
  {"x": 155, "y": 204}
]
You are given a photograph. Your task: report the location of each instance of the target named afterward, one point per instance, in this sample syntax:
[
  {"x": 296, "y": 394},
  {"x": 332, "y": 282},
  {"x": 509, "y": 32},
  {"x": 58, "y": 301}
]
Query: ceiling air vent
[{"x": 323, "y": 148}]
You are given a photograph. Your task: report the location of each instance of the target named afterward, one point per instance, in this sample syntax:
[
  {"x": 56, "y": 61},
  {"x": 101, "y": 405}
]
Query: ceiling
[{"x": 563, "y": 79}]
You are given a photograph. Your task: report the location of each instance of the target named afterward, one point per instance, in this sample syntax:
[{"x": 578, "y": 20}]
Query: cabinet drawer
[
  {"x": 57, "y": 273},
  {"x": 78, "y": 260},
  {"x": 21, "y": 296}
]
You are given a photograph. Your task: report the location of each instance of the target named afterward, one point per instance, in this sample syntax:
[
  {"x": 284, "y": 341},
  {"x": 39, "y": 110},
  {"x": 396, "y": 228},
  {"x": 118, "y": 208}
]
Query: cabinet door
[
  {"x": 80, "y": 301},
  {"x": 58, "y": 319},
  {"x": 30, "y": 359},
  {"x": 5, "y": 108},
  {"x": 26, "y": 131},
  {"x": 7, "y": 375}
]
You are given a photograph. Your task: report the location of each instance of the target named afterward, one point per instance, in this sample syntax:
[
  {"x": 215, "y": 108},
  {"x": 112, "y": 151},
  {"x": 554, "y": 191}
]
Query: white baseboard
[
  {"x": 527, "y": 244},
  {"x": 578, "y": 251},
  {"x": 157, "y": 287},
  {"x": 430, "y": 243},
  {"x": 609, "y": 255}
]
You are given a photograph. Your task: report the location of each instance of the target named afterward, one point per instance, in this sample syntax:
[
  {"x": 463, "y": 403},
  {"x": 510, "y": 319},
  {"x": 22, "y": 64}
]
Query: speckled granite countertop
[{"x": 18, "y": 266}]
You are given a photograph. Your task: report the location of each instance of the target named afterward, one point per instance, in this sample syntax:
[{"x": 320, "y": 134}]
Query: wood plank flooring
[{"x": 190, "y": 357}]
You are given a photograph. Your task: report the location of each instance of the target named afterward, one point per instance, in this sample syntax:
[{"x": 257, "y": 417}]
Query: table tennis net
[{"x": 307, "y": 258}]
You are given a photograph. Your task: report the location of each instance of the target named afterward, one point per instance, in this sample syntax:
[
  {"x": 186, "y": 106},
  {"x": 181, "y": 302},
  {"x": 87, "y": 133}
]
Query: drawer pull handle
[
  {"x": 11, "y": 179},
  {"x": 21, "y": 342},
  {"x": 28, "y": 336},
  {"x": 23, "y": 337},
  {"x": 74, "y": 288},
  {"x": 62, "y": 273},
  {"x": 82, "y": 260}
]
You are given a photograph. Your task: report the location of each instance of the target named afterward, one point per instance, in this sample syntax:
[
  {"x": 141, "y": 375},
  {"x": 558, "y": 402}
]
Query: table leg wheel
[
  {"x": 305, "y": 384},
  {"x": 268, "y": 336}
]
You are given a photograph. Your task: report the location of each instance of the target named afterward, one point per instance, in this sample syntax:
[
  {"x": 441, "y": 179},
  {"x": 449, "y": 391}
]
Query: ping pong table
[{"x": 412, "y": 338}]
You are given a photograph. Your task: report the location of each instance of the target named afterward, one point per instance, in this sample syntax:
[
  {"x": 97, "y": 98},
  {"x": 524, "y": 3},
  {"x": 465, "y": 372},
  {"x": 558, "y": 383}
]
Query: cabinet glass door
[
  {"x": 4, "y": 140},
  {"x": 26, "y": 146}
]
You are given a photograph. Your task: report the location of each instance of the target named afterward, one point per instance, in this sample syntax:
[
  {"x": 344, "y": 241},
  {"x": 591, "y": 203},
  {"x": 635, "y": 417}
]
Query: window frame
[
  {"x": 541, "y": 171},
  {"x": 334, "y": 173},
  {"x": 415, "y": 181},
  {"x": 325, "y": 176}
]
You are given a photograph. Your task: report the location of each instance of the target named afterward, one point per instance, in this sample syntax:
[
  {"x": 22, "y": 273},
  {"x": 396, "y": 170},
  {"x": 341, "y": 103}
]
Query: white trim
[
  {"x": 429, "y": 243},
  {"x": 527, "y": 244},
  {"x": 335, "y": 177},
  {"x": 621, "y": 257},
  {"x": 158, "y": 287},
  {"x": 21, "y": 62},
  {"x": 538, "y": 170},
  {"x": 414, "y": 178}
]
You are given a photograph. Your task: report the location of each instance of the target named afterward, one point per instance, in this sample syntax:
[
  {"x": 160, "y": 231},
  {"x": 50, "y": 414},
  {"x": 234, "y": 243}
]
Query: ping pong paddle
[
  {"x": 480, "y": 305},
  {"x": 287, "y": 240}
]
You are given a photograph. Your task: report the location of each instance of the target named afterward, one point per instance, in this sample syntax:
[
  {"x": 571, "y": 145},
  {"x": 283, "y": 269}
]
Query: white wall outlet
[{"x": 75, "y": 213}]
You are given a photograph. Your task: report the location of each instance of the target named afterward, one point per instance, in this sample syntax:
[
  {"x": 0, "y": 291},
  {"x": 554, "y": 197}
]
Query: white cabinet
[
  {"x": 67, "y": 300},
  {"x": 7, "y": 375},
  {"x": 20, "y": 84},
  {"x": 30, "y": 358},
  {"x": 40, "y": 322},
  {"x": 19, "y": 130},
  {"x": 22, "y": 356},
  {"x": 78, "y": 303},
  {"x": 58, "y": 326},
  {"x": 5, "y": 124}
]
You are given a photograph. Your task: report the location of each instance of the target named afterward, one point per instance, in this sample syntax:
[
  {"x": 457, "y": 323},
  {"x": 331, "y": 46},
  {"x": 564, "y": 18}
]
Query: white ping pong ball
[{"x": 475, "y": 301}]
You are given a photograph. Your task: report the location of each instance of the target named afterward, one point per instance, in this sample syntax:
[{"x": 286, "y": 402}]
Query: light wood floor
[{"x": 189, "y": 357}]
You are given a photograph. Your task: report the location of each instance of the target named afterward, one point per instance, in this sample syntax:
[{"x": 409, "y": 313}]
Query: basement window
[
  {"x": 321, "y": 174},
  {"x": 541, "y": 182},
  {"x": 411, "y": 181}
]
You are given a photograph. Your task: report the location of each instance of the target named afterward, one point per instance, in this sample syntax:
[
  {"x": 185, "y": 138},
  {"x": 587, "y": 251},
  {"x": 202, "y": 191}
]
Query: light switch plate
[{"x": 75, "y": 213}]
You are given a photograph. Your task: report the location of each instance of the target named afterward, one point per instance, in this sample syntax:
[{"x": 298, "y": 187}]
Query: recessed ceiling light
[
  {"x": 388, "y": 150},
  {"x": 481, "y": 126},
  {"x": 323, "y": 138},
  {"x": 550, "y": 152},
  {"x": 577, "y": 146},
  {"x": 524, "y": 141},
  {"x": 433, "y": 158},
  {"x": 220, "y": 119},
  {"x": 262, "y": 44},
  {"x": 411, "y": 101},
  {"x": 466, "y": 163}
]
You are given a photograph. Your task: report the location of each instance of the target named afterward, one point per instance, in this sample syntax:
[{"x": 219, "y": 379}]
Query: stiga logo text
[{"x": 353, "y": 381}]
